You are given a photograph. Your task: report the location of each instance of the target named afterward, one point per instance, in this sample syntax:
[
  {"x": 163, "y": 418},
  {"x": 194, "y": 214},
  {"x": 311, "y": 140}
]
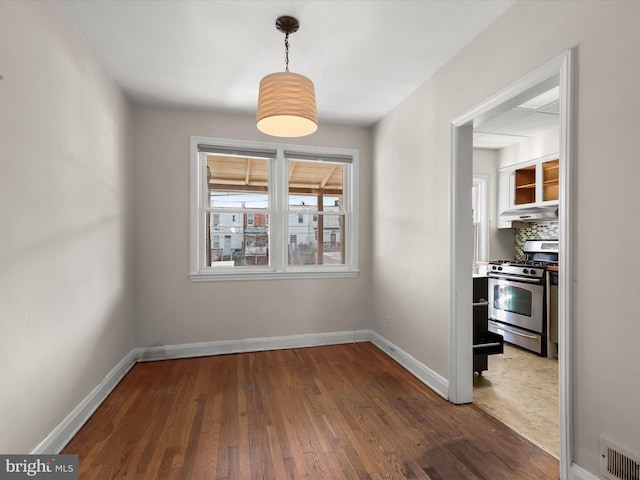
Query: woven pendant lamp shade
[{"x": 287, "y": 105}]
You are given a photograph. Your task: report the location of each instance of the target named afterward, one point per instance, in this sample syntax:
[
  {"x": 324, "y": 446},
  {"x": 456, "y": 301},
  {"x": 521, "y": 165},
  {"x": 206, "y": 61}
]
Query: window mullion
[{"x": 278, "y": 199}]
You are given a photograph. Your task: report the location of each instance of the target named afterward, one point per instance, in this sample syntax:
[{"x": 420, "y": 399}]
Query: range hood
[{"x": 530, "y": 215}]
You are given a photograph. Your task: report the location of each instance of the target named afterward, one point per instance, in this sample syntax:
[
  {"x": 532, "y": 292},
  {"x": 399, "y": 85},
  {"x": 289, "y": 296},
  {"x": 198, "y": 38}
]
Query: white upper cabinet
[
  {"x": 526, "y": 186},
  {"x": 535, "y": 184}
]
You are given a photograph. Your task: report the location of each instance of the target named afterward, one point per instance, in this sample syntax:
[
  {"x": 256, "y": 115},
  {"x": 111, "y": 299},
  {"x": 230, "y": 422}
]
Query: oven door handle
[
  {"x": 516, "y": 279},
  {"x": 507, "y": 329}
]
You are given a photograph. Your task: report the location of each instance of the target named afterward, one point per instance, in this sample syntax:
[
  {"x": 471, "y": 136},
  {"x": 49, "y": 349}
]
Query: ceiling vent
[{"x": 616, "y": 463}]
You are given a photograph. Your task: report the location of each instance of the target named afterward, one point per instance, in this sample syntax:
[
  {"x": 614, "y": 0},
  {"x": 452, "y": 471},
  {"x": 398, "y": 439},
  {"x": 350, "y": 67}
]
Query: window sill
[{"x": 271, "y": 275}]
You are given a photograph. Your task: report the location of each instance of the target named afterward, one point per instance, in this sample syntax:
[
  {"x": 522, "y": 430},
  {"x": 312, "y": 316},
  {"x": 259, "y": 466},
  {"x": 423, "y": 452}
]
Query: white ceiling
[
  {"x": 364, "y": 56},
  {"x": 525, "y": 120}
]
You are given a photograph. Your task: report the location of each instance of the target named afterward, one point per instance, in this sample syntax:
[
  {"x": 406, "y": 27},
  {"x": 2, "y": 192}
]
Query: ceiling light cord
[{"x": 286, "y": 49}]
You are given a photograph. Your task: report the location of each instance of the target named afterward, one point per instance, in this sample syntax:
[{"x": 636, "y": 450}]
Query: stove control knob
[
  {"x": 499, "y": 268},
  {"x": 532, "y": 272},
  {"x": 524, "y": 270}
]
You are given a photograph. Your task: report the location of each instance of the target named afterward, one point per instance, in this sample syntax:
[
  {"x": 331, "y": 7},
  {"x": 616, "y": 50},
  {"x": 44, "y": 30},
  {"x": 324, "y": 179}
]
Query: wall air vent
[{"x": 616, "y": 463}]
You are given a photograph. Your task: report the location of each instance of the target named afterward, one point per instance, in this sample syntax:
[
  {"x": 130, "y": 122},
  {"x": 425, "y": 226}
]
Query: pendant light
[{"x": 287, "y": 101}]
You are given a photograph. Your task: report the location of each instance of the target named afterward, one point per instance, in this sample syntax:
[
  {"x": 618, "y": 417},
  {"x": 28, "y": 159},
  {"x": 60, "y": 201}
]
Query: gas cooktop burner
[
  {"x": 528, "y": 263},
  {"x": 521, "y": 269},
  {"x": 538, "y": 253}
]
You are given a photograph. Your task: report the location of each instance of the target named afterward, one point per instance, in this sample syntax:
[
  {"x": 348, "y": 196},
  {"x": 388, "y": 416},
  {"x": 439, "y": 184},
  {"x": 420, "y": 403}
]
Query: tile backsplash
[{"x": 534, "y": 231}]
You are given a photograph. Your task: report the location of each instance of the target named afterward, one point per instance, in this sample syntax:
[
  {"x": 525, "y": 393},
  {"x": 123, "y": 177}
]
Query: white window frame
[
  {"x": 278, "y": 211},
  {"x": 481, "y": 216}
]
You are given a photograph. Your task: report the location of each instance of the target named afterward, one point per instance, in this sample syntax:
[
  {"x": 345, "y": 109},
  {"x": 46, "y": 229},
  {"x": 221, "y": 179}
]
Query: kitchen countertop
[
  {"x": 480, "y": 275},
  {"x": 552, "y": 268},
  {"x": 480, "y": 269}
]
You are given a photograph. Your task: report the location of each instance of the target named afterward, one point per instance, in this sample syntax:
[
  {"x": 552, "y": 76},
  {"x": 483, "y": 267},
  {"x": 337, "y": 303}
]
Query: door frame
[{"x": 460, "y": 288}]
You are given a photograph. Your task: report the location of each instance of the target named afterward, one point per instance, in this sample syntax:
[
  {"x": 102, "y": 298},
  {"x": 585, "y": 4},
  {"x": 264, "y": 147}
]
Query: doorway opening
[
  {"x": 460, "y": 336},
  {"x": 517, "y": 381}
]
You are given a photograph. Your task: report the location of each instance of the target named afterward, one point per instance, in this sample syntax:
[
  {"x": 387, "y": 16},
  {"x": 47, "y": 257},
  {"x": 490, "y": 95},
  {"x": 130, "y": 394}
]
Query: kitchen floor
[{"x": 520, "y": 389}]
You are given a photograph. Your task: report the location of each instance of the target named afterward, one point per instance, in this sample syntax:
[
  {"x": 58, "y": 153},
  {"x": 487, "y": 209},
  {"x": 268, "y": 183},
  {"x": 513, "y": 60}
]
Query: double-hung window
[
  {"x": 480, "y": 214},
  {"x": 265, "y": 210}
]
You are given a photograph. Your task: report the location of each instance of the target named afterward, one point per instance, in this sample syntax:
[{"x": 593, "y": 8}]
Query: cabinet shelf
[{"x": 525, "y": 185}]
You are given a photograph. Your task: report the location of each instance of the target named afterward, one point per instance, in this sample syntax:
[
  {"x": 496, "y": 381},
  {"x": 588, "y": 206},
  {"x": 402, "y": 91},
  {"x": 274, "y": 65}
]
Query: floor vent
[{"x": 616, "y": 463}]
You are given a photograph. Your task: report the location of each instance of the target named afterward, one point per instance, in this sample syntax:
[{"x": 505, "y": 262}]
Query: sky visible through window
[{"x": 260, "y": 201}]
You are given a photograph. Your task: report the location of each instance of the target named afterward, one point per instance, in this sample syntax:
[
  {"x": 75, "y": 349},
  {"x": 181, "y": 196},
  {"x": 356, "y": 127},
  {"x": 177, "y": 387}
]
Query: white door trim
[{"x": 460, "y": 293}]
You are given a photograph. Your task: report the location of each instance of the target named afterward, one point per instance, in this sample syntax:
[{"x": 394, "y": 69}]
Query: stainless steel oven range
[{"x": 517, "y": 296}]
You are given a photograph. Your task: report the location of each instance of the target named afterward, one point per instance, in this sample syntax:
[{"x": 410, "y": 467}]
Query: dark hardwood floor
[{"x": 332, "y": 412}]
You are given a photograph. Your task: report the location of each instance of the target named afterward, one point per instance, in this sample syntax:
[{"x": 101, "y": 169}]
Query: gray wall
[
  {"x": 172, "y": 310},
  {"x": 410, "y": 290},
  {"x": 66, "y": 309}
]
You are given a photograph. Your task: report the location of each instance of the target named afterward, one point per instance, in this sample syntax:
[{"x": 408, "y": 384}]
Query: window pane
[
  {"x": 303, "y": 202},
  {"x": 221, "y": 199},
  {"x": 331, "y": 203},
  {"x": 237, "y": 182},
  {"x": 235, "y": 242},
  {"x": 316, "y": 241},
  {"x": 313, "y": 185}
]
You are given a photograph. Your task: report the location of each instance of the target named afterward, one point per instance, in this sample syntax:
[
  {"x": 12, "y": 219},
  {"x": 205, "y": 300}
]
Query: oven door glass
[
  {"x": 514, "y": 299},
  {"x": 517, "y": 303}
]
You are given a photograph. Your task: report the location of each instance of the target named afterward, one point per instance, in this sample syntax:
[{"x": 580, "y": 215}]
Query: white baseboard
[
  {"x": 69, "y": 426},
  {"x": 579, "y": 473},
  {"x": 431, "y": 379},
  {"x": 191, "y": 350},
  {"x": 56, "y": 440}
]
